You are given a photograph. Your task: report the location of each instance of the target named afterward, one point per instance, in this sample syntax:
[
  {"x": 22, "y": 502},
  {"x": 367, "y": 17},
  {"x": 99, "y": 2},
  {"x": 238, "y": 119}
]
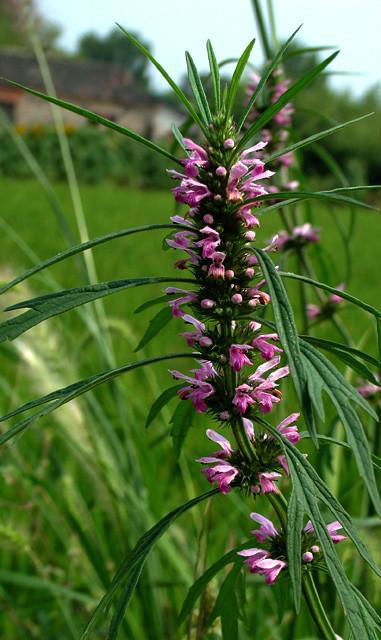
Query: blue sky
[{"x": 171, "y": 26}]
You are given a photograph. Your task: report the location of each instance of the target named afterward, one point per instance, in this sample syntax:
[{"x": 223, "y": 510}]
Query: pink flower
[
  {"x": 369, "y": 390},
  {"x": 258, "y": 561},
  {"x": 265, "y": 348},
  {"x": 181, "y": 240},
  {"x": 266, "y": 482},
  {"x": 334, "y": 298},
  {"x": 266, "y": 530},
  {"x": 288, "y": 430},
  {"x": 190, "y": 192},
  {"x": 313, "y": 311},
  {"x": 217, "y": 269},
  {"x": 238, "y": 357},
  {"x": 223, "y": 473},
  {"x": 261, "y": 392},
  {"x": 252, "y": 557},
  {"x": 242, "y": 398},
  {"x": 331, "y": 528},
  {"x": 249, "y": 428},
  {"x": 210, "y": 243},
  {"x": 198, "y": 389},
  {"x": 307, "y": 232},
  {"x": 196, "y": 159}
]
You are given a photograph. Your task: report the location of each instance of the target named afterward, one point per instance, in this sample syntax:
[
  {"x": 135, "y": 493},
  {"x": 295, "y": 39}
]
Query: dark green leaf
[
  {"x": 273, "y": 109},
  {"x": 330, "y": 345},
  {"x": 285, "y": 325},
  {"x": 180, "y": 94},
  {"x": 262, "y": 28},
  {"x": 177, "y": 134},
  {"x": 201, "y": 583},
  {"x": 60, "y": 397},
  {"x": 313, "y": 138},
  {"x": 129, "y": 571},
  {"x": 181, "y": 422},
  {"x": 198, "y": 89},
  {"x": 341, "y": 393},
  {"x": 295, "y": 513},
  {"x": 151, "y": 303},
  {"x": 296, "y": 196},
  {"x": 95, "y": 117},
  {"x": 215, "y": 75},
  {"x": 52, "y": 304},
  {"x": 157, "y": 323},
  {"x": 79, "y": 248},
  {"x": 326, "y": 287},
  {"x": 226, "y": 606},
  {"x": 264, "y": 77},
  {"x": 237, "y": 74},
  {"x": 161, "y": 401}
]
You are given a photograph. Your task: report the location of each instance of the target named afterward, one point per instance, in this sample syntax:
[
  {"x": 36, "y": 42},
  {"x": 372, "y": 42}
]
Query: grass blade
[
  {"x": 215, "y": 75},
  {"x": 198, "y": 89},
  {"x": 237, "y": 74}
]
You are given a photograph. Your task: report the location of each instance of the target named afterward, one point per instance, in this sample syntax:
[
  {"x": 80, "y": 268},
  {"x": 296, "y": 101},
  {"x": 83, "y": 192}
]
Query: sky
[{"x": 171, "y": 26}]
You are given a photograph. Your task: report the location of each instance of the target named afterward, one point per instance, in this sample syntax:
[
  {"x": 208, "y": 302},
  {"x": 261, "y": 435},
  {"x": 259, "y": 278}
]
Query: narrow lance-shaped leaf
[
  {"x": 129, "y": 571},
  {"x": 311, "y": 139},
  {"x": 264, "y": 77},
  {"x": 157, "y": 323},
  {"x": 273, "y": 109},
  {"x": 215, "y": 75},
  {"x": 52, "y": 304},
  {"x": 181, "y": 422},
  {"x": 295, "y": 513},
  {"x": 180, "y": 94},
  {"x": 95, "y": 117},
  {"x": 60, "y": 397},
  {"x": 198, "y": 89},
  {"x": 285, "y": 324},
  {"x": 83, "y": 246},
  {"x": 343, "y": 294},
  {"x": 332, "y": 196},
  {"x": 237, "y": 74},
  {"x": 161, "y": 402}
]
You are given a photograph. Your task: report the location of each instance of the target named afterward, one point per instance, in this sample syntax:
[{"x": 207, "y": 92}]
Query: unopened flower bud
[
  {"x": 217, "y": 197},
  {"x": 206, "y": 303},
  {"x": 208, "y": 219},
  {"x": 307, "y": 556},
  {"x": 251, "y": 260},
  {"x": 250, "y": 236},
  {"x": 221, "y": 171},
  {"x": 229, "y": 143},
  {"x": 315, "y": 549},
  {"x": 205, "y": 342},
  {"x": 229, "y": 274},
  {"x": 250, "y": 272},
  {"x": 224, "y": 415},
  {"x": 253, "y": 302},
  {"x": 236, "y": 298}
]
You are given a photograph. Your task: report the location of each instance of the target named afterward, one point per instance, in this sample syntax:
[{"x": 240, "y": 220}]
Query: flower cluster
[
  {"x": 315, "y": 312},
  {"x": 228, "y": 467},
  {"x": 240, "y": 367},
  {"x": 271, "y": 559},
  {"x": 300, "y": 237}
]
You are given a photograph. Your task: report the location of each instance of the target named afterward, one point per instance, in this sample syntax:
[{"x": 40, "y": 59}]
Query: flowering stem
[{"x": 310, "y": 592}]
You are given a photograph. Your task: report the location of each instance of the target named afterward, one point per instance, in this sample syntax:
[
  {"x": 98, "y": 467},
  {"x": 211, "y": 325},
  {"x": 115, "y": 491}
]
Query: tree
[{"x": 115, "y": 47}]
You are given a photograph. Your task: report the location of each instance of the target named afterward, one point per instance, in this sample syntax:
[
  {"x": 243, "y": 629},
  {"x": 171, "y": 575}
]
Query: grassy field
[{"x": 82, "y": 486}]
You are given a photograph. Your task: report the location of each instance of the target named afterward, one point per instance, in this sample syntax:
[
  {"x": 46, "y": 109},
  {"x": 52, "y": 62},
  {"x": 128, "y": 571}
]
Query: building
[{"x": 108, "y": 89}]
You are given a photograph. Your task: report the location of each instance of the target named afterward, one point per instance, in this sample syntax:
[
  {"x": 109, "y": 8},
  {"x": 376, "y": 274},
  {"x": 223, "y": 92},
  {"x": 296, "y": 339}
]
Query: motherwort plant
[{"x": 240, "y": 327}]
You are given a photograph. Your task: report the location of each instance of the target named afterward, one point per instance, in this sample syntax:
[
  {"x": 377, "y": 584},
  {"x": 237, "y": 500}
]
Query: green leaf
[
  {"x": 180, "y": 94},
  {"x": 303, "y": 50},
  {"x": 83, "y": 246},
  {"x": 329, "y": 440},
  {"x": 273, "y": 109},
  {"x": 226, "y": 605},
  {"x": 178, "y": 136},
  {"x": 201, "y": 583},
  {"x": 215, "y": 75},
  {"x": 306, "y": 195},
  {"x": 237, "y": 74},
  {"x": 95, "y": 117},
  {"x": 160, "y": 402},
  {"x": 264, "y": 77},
  {"x": 157, "y": 323},
  {"x": 326, "y": 287},
  {"x": 198, "y": 89},
  {"x": 129, "y": 571},
  {"x": 262, "y": 28},
  {"x": 52, "y": 304},
  {"x": 61, "y": 396},
  {"x": 334, "y": 347},
  {"x": 285, "y": 325},
  {"x": 341, "y": 393},
  {"x": 181, "y": 422},
  {"x": 295, "y": 513},
  {"x": 313, "y": 138},
  {"x": 152, "y": 302}
]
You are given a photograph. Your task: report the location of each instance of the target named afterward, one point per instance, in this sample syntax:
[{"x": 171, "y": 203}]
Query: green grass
[{"x": 81, "y": 486}]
